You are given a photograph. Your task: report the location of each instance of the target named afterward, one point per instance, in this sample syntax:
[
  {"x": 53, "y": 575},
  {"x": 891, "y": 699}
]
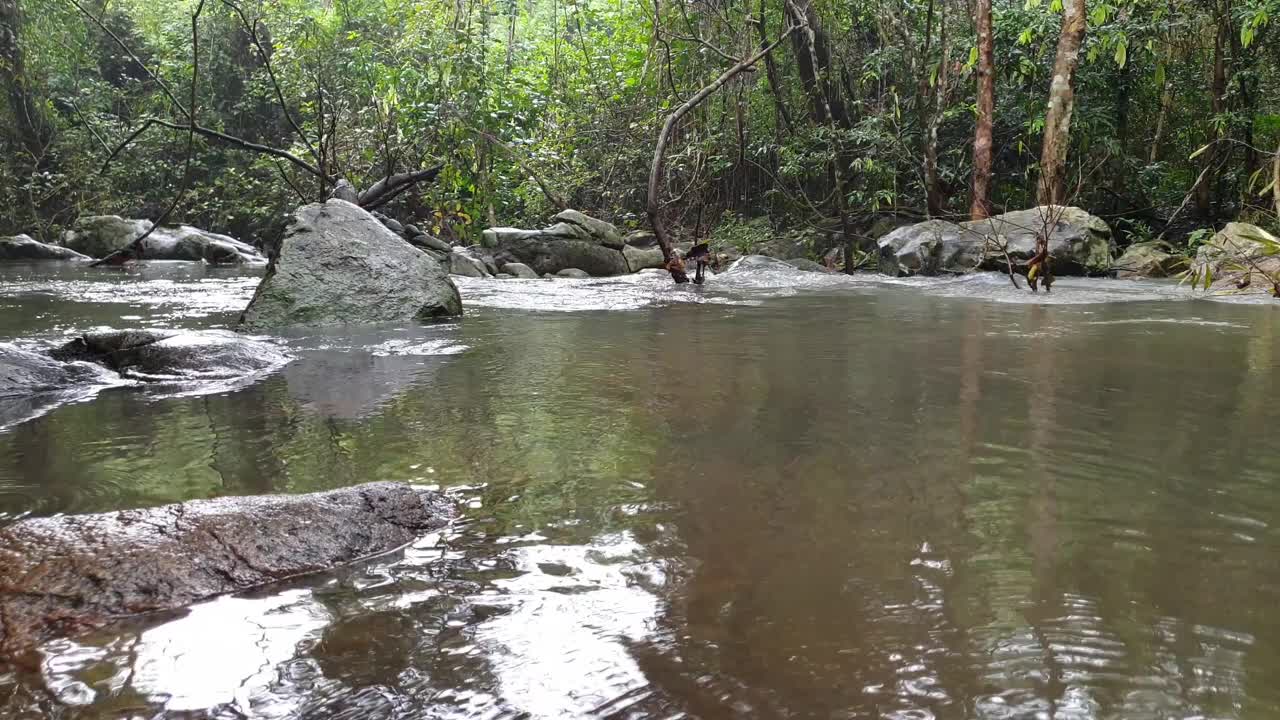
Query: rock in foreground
[
  {"x": 174, "y": 354},
  {"x": 24, "y": 247},
  {"x": 339, "y": 265},
  {"x": 65, "y": 575},
  {"x": 1240, "y": 258},
  {"x": 1079, "y": 244}
]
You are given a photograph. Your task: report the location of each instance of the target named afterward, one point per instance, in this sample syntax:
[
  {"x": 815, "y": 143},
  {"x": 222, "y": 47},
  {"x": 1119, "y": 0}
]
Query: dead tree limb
[
  {"x": 674, "y": 264},
  {"x": 390, "y": 187}
]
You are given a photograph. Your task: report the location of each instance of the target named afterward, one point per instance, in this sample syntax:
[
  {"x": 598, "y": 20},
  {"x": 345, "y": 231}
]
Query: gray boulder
[
  {"x": 174, "y": 355},
  {"x": 461, "y": 263},
  {"x": 549, "y": 255},
  {"x": 100, "y": 235},
  {"x": 641, "y": 258},
  {"x": 604, "y": 233},
  {"x": 338, "y": 265},
  {"x": 495, "y": 237},
  {"x": 642, "y": 239},
  {"x": 67, "y": 575},
  {"x": 24, "y": 247},
  {"x": 520, "y": 271},
  {"x": 1079, "y": 244},
  {"x": 1154, "y": 259},
  {"x": 573, "y": 273}
]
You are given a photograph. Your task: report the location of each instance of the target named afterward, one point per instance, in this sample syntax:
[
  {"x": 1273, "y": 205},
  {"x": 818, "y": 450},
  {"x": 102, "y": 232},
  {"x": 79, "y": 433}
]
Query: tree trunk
[
  {"x": 1275, "y": 178},
  {"x": 813, "y": 59},
  {"x": 32, "y": 128},
  {"x": 934, "y": 199},
  {"x": 1166, "y": 104},
  {"x": 1062, "y": 96},
  {"x": 674, "y": 263},
  {"x": 982, "y": 139},
  {"x": 775, "y": 85},
  {"x": 1207, "y": 187}
]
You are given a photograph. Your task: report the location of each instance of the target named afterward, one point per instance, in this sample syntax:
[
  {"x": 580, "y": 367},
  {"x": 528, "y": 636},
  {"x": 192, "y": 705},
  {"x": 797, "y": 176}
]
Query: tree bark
[
  {"x": 674, "y": 264},
  {"x": 813, "y": 60},
  {"x": 1062, "y": 96},
  {"x": 934, "y": 199},
  {"x": 983, "y": 136},
  {"x": 1207, "y": 186},
  {"x": 775, "y": 85},
  {"x": 1275, "y": 186}
]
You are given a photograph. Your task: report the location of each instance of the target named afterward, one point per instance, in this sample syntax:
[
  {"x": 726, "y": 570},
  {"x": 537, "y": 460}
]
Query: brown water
[{"x": 858, "y": 499}]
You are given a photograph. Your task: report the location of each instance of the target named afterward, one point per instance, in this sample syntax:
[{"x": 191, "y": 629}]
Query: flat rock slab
[{"x": 65, "y": 575}]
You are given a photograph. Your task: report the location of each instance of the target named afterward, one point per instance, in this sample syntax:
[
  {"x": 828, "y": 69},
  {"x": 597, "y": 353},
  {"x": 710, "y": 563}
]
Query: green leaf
[
  {"x": 1200, "y": 152},
  {"x": 1122, "y": 54}
]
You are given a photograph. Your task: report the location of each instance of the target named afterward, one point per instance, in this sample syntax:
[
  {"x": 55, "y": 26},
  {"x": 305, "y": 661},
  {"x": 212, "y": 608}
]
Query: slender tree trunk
[
  {"x": 32, "y": 128},
  {"x": 982, "y": 139},
  {"x": 1062, "y": 97},
  {"x": 1208, "y": 185},
  {"x": 674, "y": 263},
  {"x": 1275, "y": 177},
  {"x": 775, "y": 85},
  {"x": 933, "y": 182},
  {"x": 1166, "y": 104}
]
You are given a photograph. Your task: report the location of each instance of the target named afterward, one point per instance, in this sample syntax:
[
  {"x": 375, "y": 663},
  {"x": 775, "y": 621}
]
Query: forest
[{"x": 803, "y": 116}]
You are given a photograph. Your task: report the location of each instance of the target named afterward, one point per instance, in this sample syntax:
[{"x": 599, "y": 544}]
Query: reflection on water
[{"x": 856, "y": 500}]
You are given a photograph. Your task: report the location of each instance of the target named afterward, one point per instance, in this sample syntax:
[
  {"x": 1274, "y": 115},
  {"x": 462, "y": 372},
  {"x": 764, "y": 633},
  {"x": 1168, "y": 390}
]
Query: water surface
[{"x": 848, "y": 499}]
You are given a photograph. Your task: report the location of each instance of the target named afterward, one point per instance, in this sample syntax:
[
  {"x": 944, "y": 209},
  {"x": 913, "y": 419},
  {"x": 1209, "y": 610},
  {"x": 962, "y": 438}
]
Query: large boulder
[
  {"x": 604, "y": 233},
  {"x": 1239, "y": 257},
  {"x": 1154, "y": 259},
  {"x": 1079, "y": 243},
  {"x": 640, "y": 258},
  {"x": 174, "y": 355},
  {"x": 24, "y": 247},
  {"x": 65, "y": 575},
  {"x": 548, "y": 255},
  {"x": 338, "y": 265},
  {"x": 193, "y": 244},
  {"x": 100, "y": 235}
]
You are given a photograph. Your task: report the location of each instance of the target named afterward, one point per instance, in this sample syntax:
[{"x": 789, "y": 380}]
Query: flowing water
[{"x": 779, "y": 496}]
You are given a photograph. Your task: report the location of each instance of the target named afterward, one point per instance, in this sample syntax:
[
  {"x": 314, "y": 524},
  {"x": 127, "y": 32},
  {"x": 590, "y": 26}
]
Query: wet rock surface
[
  {"x": 339, "y": 265},
  {"x": 1079, "y": 244},
  {"x": 174, "y": 354},
  {"x": 24, "y": 372},
  {"x": 65, "y": 575},
  {"x": 24, "y": 247}
]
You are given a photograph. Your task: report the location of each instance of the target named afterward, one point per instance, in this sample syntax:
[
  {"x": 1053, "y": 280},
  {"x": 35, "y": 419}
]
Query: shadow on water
[{"x": 862, "y": 501}]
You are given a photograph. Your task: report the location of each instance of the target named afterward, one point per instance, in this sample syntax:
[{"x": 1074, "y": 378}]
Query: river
[{"x": 773, "y": 497}]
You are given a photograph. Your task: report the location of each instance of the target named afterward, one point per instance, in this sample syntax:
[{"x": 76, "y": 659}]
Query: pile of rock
[
  {"x": 1240, "y": 257},
  {"x": 575, "y": 245},
  {"x": 97, "y": 236},
  {"x": 1079, "y": 244},
  {"x": 24, "y": 247}
]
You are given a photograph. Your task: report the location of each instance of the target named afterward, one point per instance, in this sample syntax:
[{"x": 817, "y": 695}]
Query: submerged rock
[
  {"x": 24, "y": 247},
  {"x": 174, "y": 354},
  {"x": 338, "y": 265},
  {"x": 66, "y": 575},
  {"x": 1079, "y": 244},
  {"x": 807, "y": 265},
  {"x": 23, "y": 372},
  {"x": 573, "y": 273},
  {"x": 1153, "y": 259}
]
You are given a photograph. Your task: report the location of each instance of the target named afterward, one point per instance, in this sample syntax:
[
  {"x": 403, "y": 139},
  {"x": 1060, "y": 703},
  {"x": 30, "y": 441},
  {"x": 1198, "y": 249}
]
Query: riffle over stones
[
  {"x": 338, "y": 265},
  {"x": 1079, "y": 244},
  {"x": 65, "y": 575}
]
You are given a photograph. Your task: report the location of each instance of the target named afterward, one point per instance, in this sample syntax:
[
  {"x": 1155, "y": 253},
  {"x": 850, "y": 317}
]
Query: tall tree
[
  {"x": 1207, "y": 183},
  {"x": 1062, "y": 100},
  {"x": 982, "y": 138}
]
